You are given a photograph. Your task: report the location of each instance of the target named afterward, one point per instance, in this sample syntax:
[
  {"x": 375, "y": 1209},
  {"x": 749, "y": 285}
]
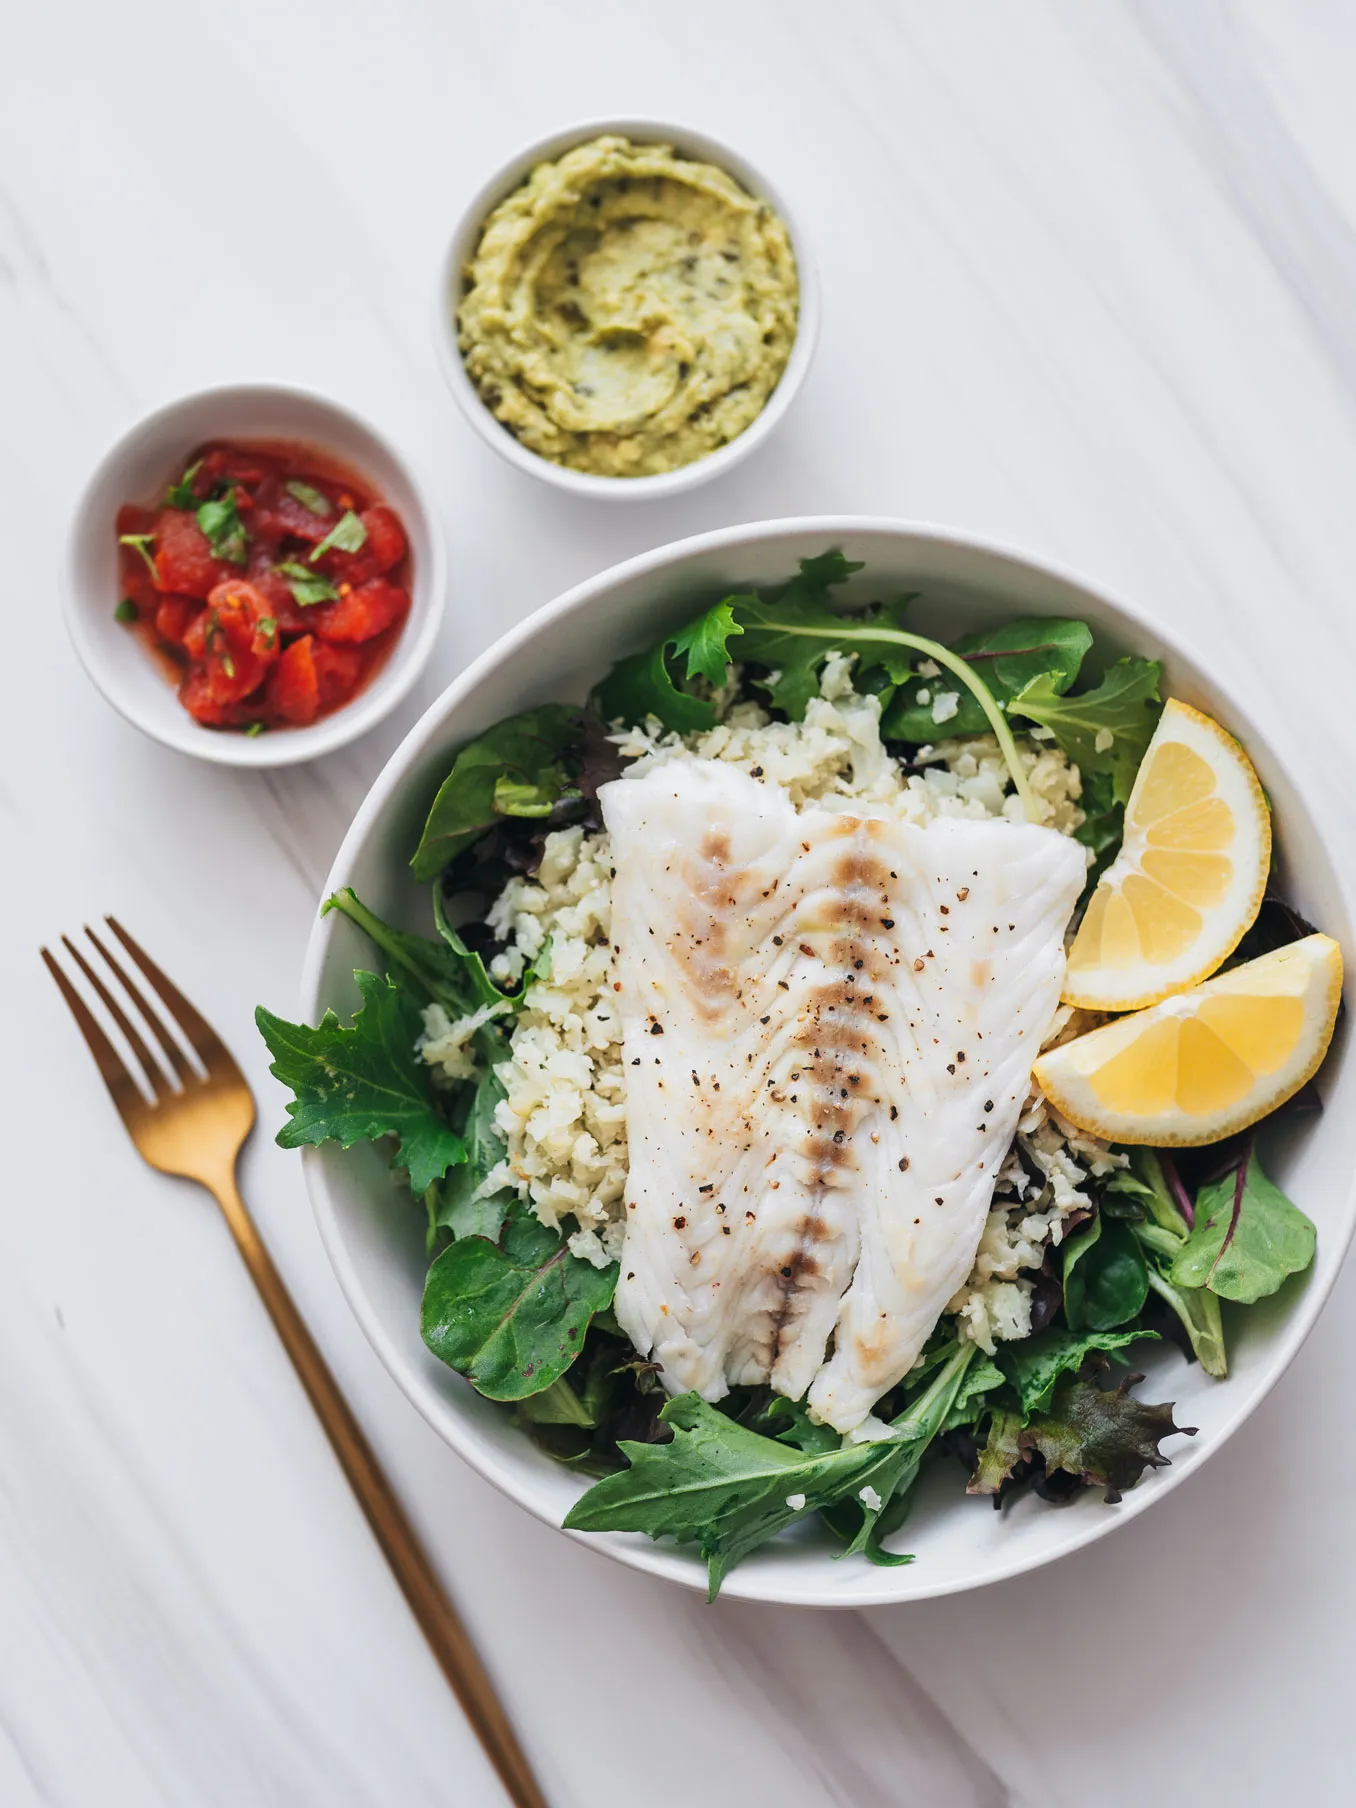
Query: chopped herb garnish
[
  {"x": 181, "y": 495},
  {"x": 309, "y": 497},
  {"x": 347, "y": 535},
  {"x": 268, "y": 629},
  {"x": 307, "y": 587},
  {"x": 256, "y": 728},
  {"x": 141, "y": 543},
  {"x": 126, "y": 611},
  {"x": 220, "y": 521}
]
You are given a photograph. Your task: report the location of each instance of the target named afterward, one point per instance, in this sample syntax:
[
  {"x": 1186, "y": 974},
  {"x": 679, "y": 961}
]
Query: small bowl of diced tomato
[{"x": 257, "y": 578}]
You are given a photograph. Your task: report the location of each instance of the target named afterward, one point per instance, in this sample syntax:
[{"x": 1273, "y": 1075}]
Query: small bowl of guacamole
[{"x": 625, "y": 310}]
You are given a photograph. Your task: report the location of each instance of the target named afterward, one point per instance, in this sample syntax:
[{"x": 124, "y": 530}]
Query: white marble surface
[{"x": 1090, "y": 285}]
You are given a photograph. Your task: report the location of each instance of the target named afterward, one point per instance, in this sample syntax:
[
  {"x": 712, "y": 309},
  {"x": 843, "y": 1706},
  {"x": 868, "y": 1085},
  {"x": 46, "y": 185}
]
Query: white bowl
[
  {"x": 702, "y": 148},
  {"x": 377, "y": 1245},
  {"x": 139, "y": 467}
]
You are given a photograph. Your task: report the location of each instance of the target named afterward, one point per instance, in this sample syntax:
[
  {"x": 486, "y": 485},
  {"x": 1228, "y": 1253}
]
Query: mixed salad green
[{"x": 1168, "y": 1240}]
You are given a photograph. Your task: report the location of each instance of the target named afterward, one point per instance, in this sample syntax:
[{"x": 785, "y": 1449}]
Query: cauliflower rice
[{"x": 563, "y": 1116}]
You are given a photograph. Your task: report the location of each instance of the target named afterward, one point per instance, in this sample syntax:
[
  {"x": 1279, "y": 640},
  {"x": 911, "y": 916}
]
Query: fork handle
[{"x": 418, "y": 1582}]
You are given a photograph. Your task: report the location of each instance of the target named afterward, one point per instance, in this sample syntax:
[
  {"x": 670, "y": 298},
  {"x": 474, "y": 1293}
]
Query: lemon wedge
[
  {"x": 1190, "y": 875},
  {"x": 1203, "y": 1064}
]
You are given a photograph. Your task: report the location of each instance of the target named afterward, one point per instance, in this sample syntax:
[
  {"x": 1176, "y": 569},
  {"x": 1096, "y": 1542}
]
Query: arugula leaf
[
  {"x": 728, "y": 1489},
  {"x": 1035, "y": 1364},
  {"x": 1247, "y": 1239},
  {"x": 364, "y": 1083},
  {"x": 181, "y": 495},
  {"x": 1009, "y": 658},
  {"x": 347, "y": 535},
  {"x": 1106, "y": 1278},
  {"x": 526, "y": 749},
  {"x": 1105, "y": 730},
  {"x": 309, "y": 497},
  {"x": 220, "y": 522},
  {"x": 704, "y": 643},
  {"x": 511, "y": 1316},
  {"x": 1001, "y": 1454},
  {"x": 307, "y": 586},
  {"x": 1105, "y": 1439},
  {"x": 443, "y": 972},
  {"x": 141, "y": 544}
]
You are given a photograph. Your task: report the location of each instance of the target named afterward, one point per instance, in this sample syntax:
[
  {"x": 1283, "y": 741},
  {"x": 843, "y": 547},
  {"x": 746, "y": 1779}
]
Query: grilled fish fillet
[{"x": 829, "y": 1024}]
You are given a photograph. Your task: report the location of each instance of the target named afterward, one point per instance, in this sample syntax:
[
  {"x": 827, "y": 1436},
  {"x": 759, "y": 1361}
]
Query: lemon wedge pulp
[
  {"x": 1189, "y": 878},
  {"x": 1206, "y": 1063}
]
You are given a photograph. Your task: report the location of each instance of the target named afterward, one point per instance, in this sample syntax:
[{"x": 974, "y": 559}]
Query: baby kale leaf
[
  {"x": 511, "y": 1315},
  {"x": 1008, "y": 659},
  {"x": 364, "y": 1083},
  {"x": 1105, "y": 730},
  {"x": 1247, "y": 1239}
]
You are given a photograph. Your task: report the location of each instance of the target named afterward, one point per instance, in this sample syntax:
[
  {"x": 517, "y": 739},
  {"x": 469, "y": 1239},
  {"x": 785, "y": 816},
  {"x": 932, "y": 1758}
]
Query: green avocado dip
[{"x": 628, "y": 311}]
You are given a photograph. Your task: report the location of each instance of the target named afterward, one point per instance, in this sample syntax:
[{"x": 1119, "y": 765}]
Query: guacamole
[{"x": 628, "y": 311}]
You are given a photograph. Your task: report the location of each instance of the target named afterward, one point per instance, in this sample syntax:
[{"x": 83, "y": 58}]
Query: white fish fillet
[{"x": 829, "y": 1026}]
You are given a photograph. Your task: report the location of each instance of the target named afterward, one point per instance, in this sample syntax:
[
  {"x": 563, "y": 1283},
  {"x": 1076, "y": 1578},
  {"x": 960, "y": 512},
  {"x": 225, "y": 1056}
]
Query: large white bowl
[{"x": 376, "y": 1238}]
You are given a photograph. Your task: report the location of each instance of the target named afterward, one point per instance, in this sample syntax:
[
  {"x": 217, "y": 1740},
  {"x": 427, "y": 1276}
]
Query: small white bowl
[
  {"x": 966, "y": 583},
  {"x": 139, "y": 467},
  {"x": 701, "y": 148}
]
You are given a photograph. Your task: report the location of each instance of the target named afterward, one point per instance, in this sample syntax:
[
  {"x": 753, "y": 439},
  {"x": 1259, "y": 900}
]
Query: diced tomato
[
  {"x": 254, "y": 656},
  {"x": 235, "y": 640},
  {"x": 276, "y": 590},
  {"x": 366, "y": 611},
  {"x": 234, "y": 464},
  {"x": 279, "y": 515},
  {"x": 311, "y": 677},
  {"x": 294, "y": 686},
  {"x": 195, "y": 693},
  {"x": 134, "y": 520},
  {"x": 383, "y": 548},
  {"x": 174, "y": 616},
  {"x": 184, "y": 556},
  {"x": 337, "y": 671}
]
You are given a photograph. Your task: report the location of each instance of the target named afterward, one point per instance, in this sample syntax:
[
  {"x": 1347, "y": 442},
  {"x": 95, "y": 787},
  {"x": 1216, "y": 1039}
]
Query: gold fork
[{"x": 196, "y": 1130}]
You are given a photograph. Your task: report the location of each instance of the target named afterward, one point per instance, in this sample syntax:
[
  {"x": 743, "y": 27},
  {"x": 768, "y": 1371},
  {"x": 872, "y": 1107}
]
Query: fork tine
[
  {"x": 123, "y": 1088},
  {"x": 173, "y": 1053},
  {"x": 154, "y": 1078},
  {"x": 210, "y": 1049}
]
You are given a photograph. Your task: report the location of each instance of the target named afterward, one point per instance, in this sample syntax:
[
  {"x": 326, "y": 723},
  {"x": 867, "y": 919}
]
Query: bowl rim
[
  {"x": 408, "y": 658},
  {"x": 666, "y": 1560},
  {"x": 509, "y": 176}
]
